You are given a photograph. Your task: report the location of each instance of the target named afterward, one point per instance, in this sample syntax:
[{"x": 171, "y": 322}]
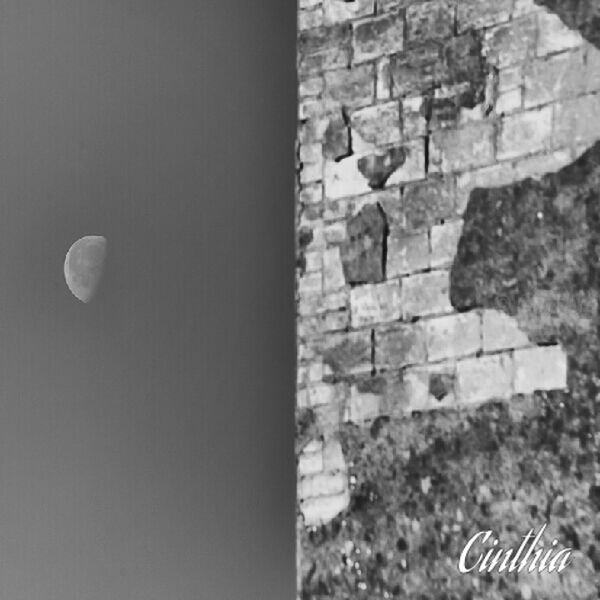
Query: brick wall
[{"x": 405, "y": 107}]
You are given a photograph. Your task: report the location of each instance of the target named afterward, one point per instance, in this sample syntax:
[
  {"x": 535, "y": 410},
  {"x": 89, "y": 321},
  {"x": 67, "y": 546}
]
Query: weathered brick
[
  {"x": 453, "y": 336},
  {"x": 363, "y": 251},
  {"x": 348, "y": 353},
  {"x": 413, "y": 167},
  {"x": 311, "y": 193},
  {"x": 554, "y": 35},
  {"x": 414, "y": 123},
  {"x": 416, "y": 72},
  {"x": 509, "y": 102},
  {"x": 464, "y": 63},
  {"x": 401, "y": 346},
  {"x": 444, "y": 241},
  {"x": 428, "y": 203},
  {"x": 433, "y": 19},
  {"x": 501, "y": 332},
  {"x": 350, "y": 87},
  {"x": 560, "y": 76},
  {"x": 343, "y": 178},
  {"x": 484, "y": 378},
  {"x": 311, "y": 283},
  {"x": 379, "y": 124},
  {"x": 304, "y": 4},
  {"x": 323, "y": 393},
  {"x": 309, "y": 87},
  {"x": 541, "y": 368},
  {"x": 322, "y": 484},
  {"x": 576, "y": 120},
  {"x": 525, "y": 133},
  {"x": 407, "y": 253},
  {"x": 477, "y": 14},
  {"x": 333, "y": 456},
  {"x": 430, "y": 387},
  {"x": 310, "y": 460},
  {"x": 460, "y": 149},
  {"x": 336, "y": 233},
  {"x": 511, "y": 43},
  {"x": 375, "y": 303},
  {"x": 426, "y": 294},
  {"x": 378, "y": 37},
  {"x": 324, "y": 48},
  {"x": 333, "y": 273},
  {"x": 321, "y": 510},
  {"x": 337, "y": 11},
  {"x": 362, "y": 407},
  {"x": 313, "y": 262},
  {"x": 310, "y": 19},
  {"x": 383, "y": 89}
]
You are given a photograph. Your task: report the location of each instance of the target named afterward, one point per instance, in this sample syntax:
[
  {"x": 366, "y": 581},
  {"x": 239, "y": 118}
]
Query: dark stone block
[{"x": 363, "y": 253}]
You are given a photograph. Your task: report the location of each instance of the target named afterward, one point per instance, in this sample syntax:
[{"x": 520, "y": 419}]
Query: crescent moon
[{"x": 84, "y": 264}]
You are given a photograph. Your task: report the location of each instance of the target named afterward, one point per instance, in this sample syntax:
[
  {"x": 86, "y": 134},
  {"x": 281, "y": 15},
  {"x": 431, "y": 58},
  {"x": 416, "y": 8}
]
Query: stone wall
[{"x": 407, "y": 110}]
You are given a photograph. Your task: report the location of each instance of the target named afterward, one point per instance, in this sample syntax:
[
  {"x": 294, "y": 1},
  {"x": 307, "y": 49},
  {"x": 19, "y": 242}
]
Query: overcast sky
[{"x": 121, "y": 430}]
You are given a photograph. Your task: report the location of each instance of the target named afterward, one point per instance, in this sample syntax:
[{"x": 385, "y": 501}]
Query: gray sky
[{"x": 126, "y": 424}]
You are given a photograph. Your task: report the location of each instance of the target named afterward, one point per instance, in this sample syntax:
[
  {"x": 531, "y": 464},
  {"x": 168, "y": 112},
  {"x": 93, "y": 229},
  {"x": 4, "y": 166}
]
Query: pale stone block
[
  {"x": 379, "y": 124},
  {"x": 344, "y": 179},
  {"x": 453, "y": 336},
  {"x": 322, "y": 484},
  {"x": 383, "y": 87},
  {"x": 333, "y": 271},
  {"x": 426, "y": 294},
  {"x": 337, "y": 11},
  {"x": 524, "y": 133},
  {"x": 501, "y": 332},
  {"x": 444, "y": 242},
  {"x": 484, "y": 378},
  {"x": 310, "y": 283},
  {"x": 554, "y": 35},
  {"x": 362, "y": 406},
  {"x": 310, "y": 461},
  {"x": 407, "y": 253},
  {"x": 375, "y": 303},
  {"x": 317, "y": 511},
  {"x": 541, "y": 368}
]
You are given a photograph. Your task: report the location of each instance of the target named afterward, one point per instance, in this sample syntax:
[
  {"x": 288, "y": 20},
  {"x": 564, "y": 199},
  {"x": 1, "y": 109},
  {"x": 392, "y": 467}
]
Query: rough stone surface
[{"x": 448, "y": 171}]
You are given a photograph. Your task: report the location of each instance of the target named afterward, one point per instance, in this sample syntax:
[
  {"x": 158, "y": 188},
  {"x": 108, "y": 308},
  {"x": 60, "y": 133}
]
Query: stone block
[
  {"x": 337, "y": 11},
  {"x": 426, "y": 294},
  {"x": 333, "y": 272},
  {"x": 460, "y": 149},
  {"x": 414, "y": 123},
  {"x": 541, "y": 368},
  {"x": 433, "y": 19},
  {"x": 525, "y": 133},
  {"x": 310, "y": 284},
  {"x": 511, "y": 43},
  {"x": 475, "y": 14},
  {"x": 310, "y": 461},
  {"x": 363, "y": 251},
  {"x": 428, "y": 203},
  {"x": 553, "y": 78},
  {"x": 501, "y": 332},
  {"x": 453, "y": 336},
  {"x": 554, "y": 35},
  {"x": 324, "y": 48},
  {"x": 379, "y": 36},
  {"x": 322, "y": 484},
  {"x": 323, "y": 393},
  {"x": 375, "y": 303},
  {"x": 413, "y": 168},
  {"x": 430, "y": 387},
  {"x": 362, "y": 407},
  {"x": 318, "y": 511},
  {"x": 406, "y": 253},
  {"x": 400, "y": 346},
  {"x": 348, "y": 353},
  {"x": 576, "y": 120},
  {"x": 379, "y": 124},
  {"x": 311, "y": 193},
  {"x": 484, "y": 378},
  {"x": 444, "y": 242},
  {"x": 383, "y": 89},
  {"x": 350, "y": 87},
  {"x": 417, "y": 72},
  {"x": 343, "y": 178},
  {"x": 310, "y": 19}
]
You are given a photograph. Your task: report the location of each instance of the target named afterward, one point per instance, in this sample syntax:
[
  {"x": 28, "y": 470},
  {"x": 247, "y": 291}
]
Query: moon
[{"x": 84, "y": 265}]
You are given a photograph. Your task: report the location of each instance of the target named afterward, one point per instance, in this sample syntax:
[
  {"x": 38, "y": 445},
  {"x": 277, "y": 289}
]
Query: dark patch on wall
[
  {"x": 365, "y": 249},
  {"x": 378, "y": 168}
]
